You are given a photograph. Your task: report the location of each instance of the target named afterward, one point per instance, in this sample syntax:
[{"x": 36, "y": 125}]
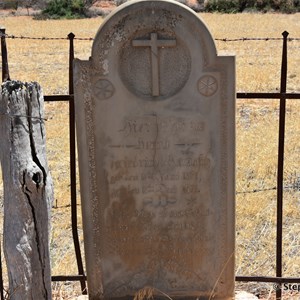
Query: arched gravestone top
[
  {"x": 165, "y": 29},
  {"x": 130, "y": 31},
  {"x": 156, "y": 144}
]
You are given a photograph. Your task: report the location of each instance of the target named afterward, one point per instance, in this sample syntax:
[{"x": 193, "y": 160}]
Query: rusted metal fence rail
[{"x": 282, "y": 96}]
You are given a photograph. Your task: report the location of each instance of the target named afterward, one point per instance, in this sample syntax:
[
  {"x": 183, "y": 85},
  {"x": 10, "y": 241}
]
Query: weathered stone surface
[{"x": 155, "y": 123}]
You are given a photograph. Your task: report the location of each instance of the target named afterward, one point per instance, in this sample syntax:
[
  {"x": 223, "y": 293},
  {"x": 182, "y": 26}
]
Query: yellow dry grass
[{"x": 258, "y": 69}]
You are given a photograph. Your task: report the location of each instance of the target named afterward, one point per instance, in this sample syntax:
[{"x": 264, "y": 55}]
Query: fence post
[
  {"x": 28, "y": 191},
  {"x": 71, "y": 37},
  {"x": 1, "y": 275},
  {"x": 5, "y": 70},
  {"x": 280, "y": 167}
]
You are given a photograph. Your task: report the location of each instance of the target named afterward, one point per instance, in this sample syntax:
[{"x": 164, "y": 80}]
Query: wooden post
[
  {"x": 5, "y": 69},
  {"x": 28, "y": 191}
]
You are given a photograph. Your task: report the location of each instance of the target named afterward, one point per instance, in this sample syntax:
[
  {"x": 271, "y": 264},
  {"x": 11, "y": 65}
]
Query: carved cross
[{"x": 154, "y": 44}]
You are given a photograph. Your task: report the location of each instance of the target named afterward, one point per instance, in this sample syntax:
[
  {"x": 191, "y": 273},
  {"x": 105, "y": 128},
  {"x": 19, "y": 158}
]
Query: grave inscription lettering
[{"x": 156, "y": 145}]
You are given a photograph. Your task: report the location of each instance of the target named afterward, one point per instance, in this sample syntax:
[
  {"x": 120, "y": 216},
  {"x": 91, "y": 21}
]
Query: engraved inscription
[
  {"x": 162, "y": 160},
  {"x": 146, "y": 125},
  {"x": 159, "y": 196}
]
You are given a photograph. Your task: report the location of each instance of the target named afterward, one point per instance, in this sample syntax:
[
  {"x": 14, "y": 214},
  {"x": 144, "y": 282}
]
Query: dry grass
[{"x": 258, "y": 69}]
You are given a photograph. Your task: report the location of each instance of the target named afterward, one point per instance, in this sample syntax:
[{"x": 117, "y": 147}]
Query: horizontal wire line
[
  {"x": 91, "y": 39},
  {"x": 42, "y": 38},
  {"x": 23, "y": 116},
  {"x": 288, "y": 187},
  {"x": 256, "y": 39}
]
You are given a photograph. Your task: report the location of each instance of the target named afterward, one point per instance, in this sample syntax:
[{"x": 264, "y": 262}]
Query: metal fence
[{"x": 281, "y": 96}]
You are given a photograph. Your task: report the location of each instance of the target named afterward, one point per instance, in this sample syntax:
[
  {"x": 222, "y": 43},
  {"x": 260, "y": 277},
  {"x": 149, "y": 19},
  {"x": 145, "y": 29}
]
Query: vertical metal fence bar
[
  {"x": 5, "y": 70},
  {"x": 5, "y": 76},
  {"x": 280, "y": 167},
  {"x": 73, "y": 167}
]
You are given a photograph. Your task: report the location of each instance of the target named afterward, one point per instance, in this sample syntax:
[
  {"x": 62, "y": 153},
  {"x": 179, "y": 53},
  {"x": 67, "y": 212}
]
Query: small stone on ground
[
  {"x": 82, "y": 297},
  {"x": 242, "y": 295}
]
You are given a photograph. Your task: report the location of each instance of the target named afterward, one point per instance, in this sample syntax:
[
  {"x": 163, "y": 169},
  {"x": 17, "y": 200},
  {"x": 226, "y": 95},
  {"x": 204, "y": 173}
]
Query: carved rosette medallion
[
  {"x": 103, "y": 89},
  {"x": 207, "y": 85}
]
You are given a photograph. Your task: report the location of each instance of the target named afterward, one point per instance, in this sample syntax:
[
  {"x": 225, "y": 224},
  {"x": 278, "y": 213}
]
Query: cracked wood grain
[{"x": 28, "y": 191}]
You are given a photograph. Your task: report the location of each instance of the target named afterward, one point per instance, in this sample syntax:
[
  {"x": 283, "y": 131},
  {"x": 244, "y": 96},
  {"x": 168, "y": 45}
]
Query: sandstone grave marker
[{"x": 156, "y": 142}]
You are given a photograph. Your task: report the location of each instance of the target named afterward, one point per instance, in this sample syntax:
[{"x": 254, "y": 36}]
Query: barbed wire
[
  {"x": 266, "y": 39},
  {"x": 22, "y": 116},
  {"x": 293, "y": 187},
  {"x": 56, "y": 206},
  {"x": 243, "y": 39},
  {"x": 21, "y": 37}
]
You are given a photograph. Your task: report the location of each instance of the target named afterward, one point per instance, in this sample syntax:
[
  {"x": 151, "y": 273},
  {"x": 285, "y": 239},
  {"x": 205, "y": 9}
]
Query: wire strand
[
  {"x": 23, "y": 116},
  {"x": 243, "y": 39}
]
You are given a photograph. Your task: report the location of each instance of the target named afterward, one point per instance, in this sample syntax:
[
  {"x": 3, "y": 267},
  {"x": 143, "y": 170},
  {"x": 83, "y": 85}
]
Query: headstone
[{"x": 156, "y": 142}]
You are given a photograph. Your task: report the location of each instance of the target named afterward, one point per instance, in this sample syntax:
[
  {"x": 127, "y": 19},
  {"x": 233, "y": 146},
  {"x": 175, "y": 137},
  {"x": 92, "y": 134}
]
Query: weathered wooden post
[
  {"x": 28, "y": 191},
  {"x": 5, "y": 69}
]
